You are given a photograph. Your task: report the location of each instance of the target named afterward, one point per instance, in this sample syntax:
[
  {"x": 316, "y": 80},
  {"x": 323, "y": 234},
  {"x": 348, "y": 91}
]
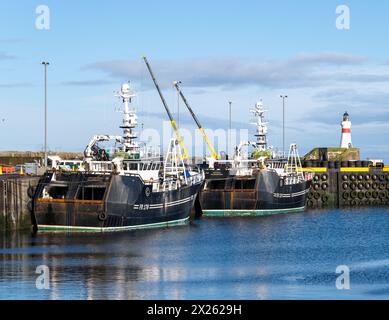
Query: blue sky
[{"x": 221, "y": 50}]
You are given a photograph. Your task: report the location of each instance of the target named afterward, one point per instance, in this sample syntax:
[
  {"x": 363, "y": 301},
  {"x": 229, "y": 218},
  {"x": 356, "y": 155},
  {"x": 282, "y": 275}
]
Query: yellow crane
[
  {"x": 210, "y": 146},
  {"x": 185, "y": 153}
]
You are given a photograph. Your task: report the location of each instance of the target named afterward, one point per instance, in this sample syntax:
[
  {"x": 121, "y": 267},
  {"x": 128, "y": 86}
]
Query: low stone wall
[
  {"x": 20, "y": 157},
  {"x": 14, "y": 214}
]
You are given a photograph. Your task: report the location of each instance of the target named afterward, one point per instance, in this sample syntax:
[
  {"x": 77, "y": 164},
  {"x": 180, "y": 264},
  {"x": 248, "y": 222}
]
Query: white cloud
[
  {"x": 329, "y": 58},
  {"x": 303, "y": 70}
]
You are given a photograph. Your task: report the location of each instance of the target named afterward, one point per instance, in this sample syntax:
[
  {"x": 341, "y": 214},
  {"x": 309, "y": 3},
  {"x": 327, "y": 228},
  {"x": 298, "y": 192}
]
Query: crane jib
[
  {"x": 210, "y": 146},
  {"x": 158, "y": 89},
  {"x": 188, "y": 106},
  {"x": 180, "y": 140}
]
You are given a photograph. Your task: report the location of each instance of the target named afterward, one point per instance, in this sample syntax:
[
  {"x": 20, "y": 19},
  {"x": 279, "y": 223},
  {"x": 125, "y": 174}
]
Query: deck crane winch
[
  {"x": 93, "y": 151},
  {"x": 207, "y": 141},
  {"x": 173, "y": 123}
]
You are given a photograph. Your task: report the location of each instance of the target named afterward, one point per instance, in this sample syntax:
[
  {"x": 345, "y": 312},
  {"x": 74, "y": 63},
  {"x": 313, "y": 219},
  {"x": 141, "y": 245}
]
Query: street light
[
  {"x": 45, "y": 64},
  {"x": 283, "y": 97},
  {"x": 229, "y": 134}
]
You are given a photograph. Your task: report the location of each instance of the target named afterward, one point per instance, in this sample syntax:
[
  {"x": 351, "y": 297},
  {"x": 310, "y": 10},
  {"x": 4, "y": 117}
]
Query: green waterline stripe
[
  {"x": 111, "y": 229},
  {"x": 250, "y": 212}
]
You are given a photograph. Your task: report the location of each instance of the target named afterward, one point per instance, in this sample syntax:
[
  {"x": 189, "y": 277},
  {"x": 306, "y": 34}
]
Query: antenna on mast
[
  {"x": 129, "y": 119},
  {"x": 261, "y": 124}
]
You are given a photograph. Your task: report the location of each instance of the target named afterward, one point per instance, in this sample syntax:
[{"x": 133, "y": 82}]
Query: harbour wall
[
  {"x": 14, "y": 214},
  {"x": 348, "y": 187},
  {"x": 20, "y": 157}
]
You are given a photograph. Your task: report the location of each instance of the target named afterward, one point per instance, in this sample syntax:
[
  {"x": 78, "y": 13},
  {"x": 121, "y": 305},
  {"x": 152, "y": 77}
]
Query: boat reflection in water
[
  {"x": 268, "y": 257},
  {"x": 105, "y": 266}
]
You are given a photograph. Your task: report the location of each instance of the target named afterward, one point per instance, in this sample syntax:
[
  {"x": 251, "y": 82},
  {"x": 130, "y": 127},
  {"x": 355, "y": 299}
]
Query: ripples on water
[{"x": 291, "y": 256}]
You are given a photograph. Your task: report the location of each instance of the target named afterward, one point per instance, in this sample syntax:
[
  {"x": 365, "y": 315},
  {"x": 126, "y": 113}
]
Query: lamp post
[
  {"x": 45, "y": 64},
  {"x": 229, "y": 133},
  {"x": 283, "y": 97}
]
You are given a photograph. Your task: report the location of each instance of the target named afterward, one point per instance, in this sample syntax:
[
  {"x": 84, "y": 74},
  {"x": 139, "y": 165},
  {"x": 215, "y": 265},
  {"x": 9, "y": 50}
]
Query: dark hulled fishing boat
[
  {"x": 88, "y": 201},
  {"x": 263, "y": 191},
  {"x": 262, "y": 183},
  {"x": 126, "y": 188}
]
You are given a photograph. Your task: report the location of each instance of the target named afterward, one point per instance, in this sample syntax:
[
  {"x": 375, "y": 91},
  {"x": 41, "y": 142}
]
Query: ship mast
[
  {"x": 261, "y": 130},
  {"x": 129, "y": 120}
]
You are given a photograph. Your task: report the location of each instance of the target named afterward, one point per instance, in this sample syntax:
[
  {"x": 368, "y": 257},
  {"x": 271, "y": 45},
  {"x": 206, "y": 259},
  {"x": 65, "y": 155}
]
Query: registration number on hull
[
  {"x": 142, "y": 207},
  {"x": 145, "y": 206}
]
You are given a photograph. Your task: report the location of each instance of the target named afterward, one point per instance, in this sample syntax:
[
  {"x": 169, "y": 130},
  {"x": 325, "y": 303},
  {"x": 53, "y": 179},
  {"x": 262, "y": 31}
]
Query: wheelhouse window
[
  {"x": 134, "y": 166},
  {"x": 131, "y": 166},
  {"x": 155, "y": 166}
]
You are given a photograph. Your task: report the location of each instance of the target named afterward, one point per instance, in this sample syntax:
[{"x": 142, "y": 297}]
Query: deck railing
[{"x": 106, "y": 167}]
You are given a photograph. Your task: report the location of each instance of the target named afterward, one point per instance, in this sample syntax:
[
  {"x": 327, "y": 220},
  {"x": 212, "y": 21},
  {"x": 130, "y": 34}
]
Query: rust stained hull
[
  {"x": 267, "y": 195},
  {"x": 127, "y": 203},
  {"x": 69, "y": 213}
]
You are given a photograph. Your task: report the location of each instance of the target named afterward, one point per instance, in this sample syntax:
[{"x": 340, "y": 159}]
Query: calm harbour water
[{"x": 292, "y": 256}]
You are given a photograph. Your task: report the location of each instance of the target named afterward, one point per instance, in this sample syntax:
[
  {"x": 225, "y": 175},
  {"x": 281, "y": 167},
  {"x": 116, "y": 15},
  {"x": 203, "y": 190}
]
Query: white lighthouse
[{"x": 345, "y": 141}]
